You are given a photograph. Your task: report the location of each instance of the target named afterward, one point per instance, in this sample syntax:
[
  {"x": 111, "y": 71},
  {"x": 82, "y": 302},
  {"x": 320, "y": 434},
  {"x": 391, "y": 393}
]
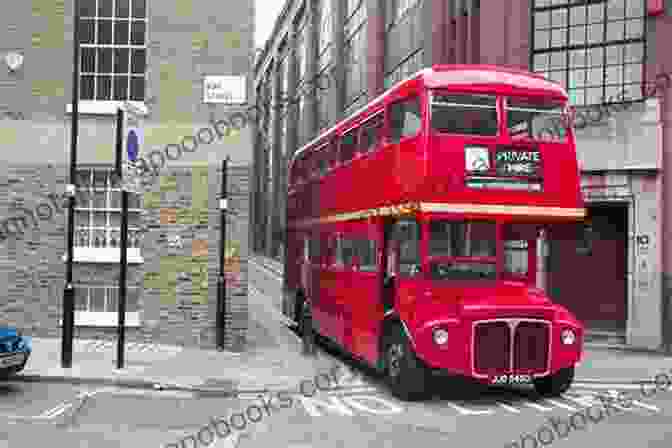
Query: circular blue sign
[{"x": 132, "y": 146}]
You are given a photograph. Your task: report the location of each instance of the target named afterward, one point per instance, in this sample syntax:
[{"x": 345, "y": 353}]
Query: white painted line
[
  {"x": 508, "y": 408},
  {"x": 356, "y": 403},
  {"x": 24, "y": 417},
  {"x": 645, "y": 406},
  {"x": 586, "y": 400},
  {"x": 229, "y": 442},
  {"x": 607, "y": 386},
  {"x": 333, "y": 405},
  {"x": 355, "y": 390},
  {"x": 465, "y": 411},
  {"x": 561, "y": 405},
  {"x": 537, "y": 406},
  {"x": 56, "y": 411},
  {"x": 150, "y": 393},
  {"x": 249, "y": 396}
]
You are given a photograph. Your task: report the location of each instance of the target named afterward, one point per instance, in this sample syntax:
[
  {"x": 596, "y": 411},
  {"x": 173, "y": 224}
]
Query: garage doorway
[{"x": 589, "y": 276}]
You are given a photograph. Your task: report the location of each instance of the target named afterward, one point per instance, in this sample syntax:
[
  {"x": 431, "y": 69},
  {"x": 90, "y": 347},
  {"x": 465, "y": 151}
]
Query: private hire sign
[{"x": 518, "y": 162}]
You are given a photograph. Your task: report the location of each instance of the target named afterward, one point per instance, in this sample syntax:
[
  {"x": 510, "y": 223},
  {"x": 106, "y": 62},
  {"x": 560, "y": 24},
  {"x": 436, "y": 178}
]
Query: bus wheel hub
[{"x": 394, "y": 354}]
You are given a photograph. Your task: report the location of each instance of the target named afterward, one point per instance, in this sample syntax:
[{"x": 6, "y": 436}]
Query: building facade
[
  {"x": 158, "y": 57},
  {"x": 326, "y": 58}
]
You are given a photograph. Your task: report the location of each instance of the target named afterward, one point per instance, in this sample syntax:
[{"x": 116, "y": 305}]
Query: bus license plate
[
  {"x": 13, "y": 360},
  {"x": 511, "y": 379}
]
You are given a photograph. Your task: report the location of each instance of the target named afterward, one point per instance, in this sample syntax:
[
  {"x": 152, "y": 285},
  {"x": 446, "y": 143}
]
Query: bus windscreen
[{"x": 464, "y": 114}]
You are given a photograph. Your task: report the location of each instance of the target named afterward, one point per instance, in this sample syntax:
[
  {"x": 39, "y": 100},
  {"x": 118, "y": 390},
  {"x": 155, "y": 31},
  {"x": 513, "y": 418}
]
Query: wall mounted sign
[
  {"x": 175, "y": 242},
  {"x": 13, "y": 60},
  {"x": 224, "y": 89}
]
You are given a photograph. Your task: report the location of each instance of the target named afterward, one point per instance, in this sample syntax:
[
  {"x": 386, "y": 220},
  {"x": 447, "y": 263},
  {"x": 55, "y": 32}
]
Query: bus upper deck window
[
  {"x": 371, "y": 134},
  {"x": 348, "y": 146},
  {"x": 538, "y": 119},
  {"x": 464, "y": 114},
  {"x": 405, "y": 119}
]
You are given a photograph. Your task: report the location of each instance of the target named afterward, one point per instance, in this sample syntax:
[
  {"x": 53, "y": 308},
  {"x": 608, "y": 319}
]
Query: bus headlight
[
  {"x": 568, "y": 337},
  {"x": 440, "y": 336}
]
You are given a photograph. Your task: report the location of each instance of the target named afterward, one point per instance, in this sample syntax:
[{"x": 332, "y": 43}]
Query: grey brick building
[
  {"x": 355, "y": 49},
  {"x": 155, "y": 55}
]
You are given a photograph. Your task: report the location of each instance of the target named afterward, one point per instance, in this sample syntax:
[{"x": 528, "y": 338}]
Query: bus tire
[
  {"x": 306, "y": 328},
  {"x": 554, "y": 385},
  {"x": 299, "y": 303},
  {"x": 406, "y": 375}
]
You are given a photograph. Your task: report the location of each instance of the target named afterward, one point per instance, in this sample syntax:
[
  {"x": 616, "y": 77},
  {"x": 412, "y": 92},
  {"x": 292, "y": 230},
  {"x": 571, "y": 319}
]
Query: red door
[{"x": 589, "y": 275}]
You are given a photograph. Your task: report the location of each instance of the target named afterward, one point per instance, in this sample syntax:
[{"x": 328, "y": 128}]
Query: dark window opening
[
  {"x": 465, "y": 114},
  {"x": 405, "y": 119}
]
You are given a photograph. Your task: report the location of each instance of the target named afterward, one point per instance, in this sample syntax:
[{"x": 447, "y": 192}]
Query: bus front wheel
[
  {"x": 406, "y": 375},
  {"x": 554, "y": 385}
]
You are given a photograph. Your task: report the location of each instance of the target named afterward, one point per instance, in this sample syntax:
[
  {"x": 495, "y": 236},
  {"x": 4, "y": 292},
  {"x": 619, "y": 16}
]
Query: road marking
[
  {"x": 61, "y": 408},
  {"x": 250, "y": 396},
  {"x": 228, "y": 442},
  {"x": 355, "y": 402},
  {"x": 465, "y": 411},
  {"x": 508, "y": 408},
  {"x": 561, "y": 405},
  {"x": 607, "y": 386},
  {"x": 534, "y": 405},
  {"x": 355, "y": 390},
  {"x": 120, "y": 392},
  {"x": 56, "y": 411},
  {"x": 335, "y": 405},
  {"x": 646, "y": 406},
  {"x": 586, "y": 400}
]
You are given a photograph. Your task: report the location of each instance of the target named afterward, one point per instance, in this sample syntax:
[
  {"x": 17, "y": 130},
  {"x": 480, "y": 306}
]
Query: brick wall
[{"x": 173, "y": 310}]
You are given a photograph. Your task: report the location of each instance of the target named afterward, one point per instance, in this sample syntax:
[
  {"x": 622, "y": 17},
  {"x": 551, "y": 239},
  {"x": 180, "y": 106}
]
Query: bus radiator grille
[
  {"x": 492, "y": 348},
  {"x": 531, "y": 347}
]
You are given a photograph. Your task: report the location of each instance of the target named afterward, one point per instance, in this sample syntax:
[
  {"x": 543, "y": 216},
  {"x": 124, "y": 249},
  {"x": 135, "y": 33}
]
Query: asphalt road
[{"x": 360, "y": 413}]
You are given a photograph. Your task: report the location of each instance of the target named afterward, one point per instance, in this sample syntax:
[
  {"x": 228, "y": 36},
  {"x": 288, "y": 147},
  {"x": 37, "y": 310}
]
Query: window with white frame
[
  {"x": 596, "y": 49},
  {"x": 324, "y": 60},
  {"x": 283, "y": 104},
  {"x": 98, "y": 211},
  {"x": 398, "y": 9},
  {"x": 113, "y": 49},
  {"x": 355, "y": 48},
  {"x": 98, "y": 305},
  {"x": 104, "y": 299},
  {"x": 302, "y": 86},
  {"x": 325, "y": 31}
]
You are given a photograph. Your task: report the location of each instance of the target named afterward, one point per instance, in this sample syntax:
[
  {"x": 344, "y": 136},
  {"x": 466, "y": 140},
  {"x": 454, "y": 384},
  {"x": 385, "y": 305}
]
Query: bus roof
[{"x": 446, "y": 76}]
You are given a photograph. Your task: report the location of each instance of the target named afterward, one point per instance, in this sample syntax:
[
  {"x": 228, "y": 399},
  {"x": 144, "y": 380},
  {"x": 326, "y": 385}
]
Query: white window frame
[
  {"x": 110, "y": 106},
  {"x": 106, "y": 253},
  {"x": 108, "y": 318}
]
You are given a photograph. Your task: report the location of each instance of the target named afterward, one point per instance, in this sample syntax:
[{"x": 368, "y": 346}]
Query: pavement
[{"x": 273, "y": 361}]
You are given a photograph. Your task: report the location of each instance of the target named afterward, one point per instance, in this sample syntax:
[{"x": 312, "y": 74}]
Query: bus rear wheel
[
  {"x": 406, "y": 375},
  {"x": 554, "y": 385}
]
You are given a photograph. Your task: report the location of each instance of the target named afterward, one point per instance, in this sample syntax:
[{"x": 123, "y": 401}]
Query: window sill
[
  {"x": 105, "y": 255},
  {"x": 105, "y": 107},
  {"x": 104, "y": 319}
]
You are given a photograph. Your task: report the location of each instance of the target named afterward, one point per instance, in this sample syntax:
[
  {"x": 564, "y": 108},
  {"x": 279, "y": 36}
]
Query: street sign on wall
[{"x": 224, "y": 89}]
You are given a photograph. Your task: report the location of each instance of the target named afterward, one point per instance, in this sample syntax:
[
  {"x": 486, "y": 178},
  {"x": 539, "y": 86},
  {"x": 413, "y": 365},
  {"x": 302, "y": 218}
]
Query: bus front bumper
[{"x": 496, "y": 351}]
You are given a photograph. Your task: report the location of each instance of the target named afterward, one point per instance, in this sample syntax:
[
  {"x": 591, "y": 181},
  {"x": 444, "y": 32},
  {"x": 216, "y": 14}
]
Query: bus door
[{"x": 403, "y": 279}]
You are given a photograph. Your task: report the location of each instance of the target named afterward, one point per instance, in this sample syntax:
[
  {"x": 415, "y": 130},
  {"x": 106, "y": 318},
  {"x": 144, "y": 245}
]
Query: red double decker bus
[{"x": 413, "y": 229}]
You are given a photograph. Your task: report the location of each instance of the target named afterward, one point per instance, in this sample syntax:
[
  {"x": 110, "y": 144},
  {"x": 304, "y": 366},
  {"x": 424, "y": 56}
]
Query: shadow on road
[{"x": 444, "y": 388}]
